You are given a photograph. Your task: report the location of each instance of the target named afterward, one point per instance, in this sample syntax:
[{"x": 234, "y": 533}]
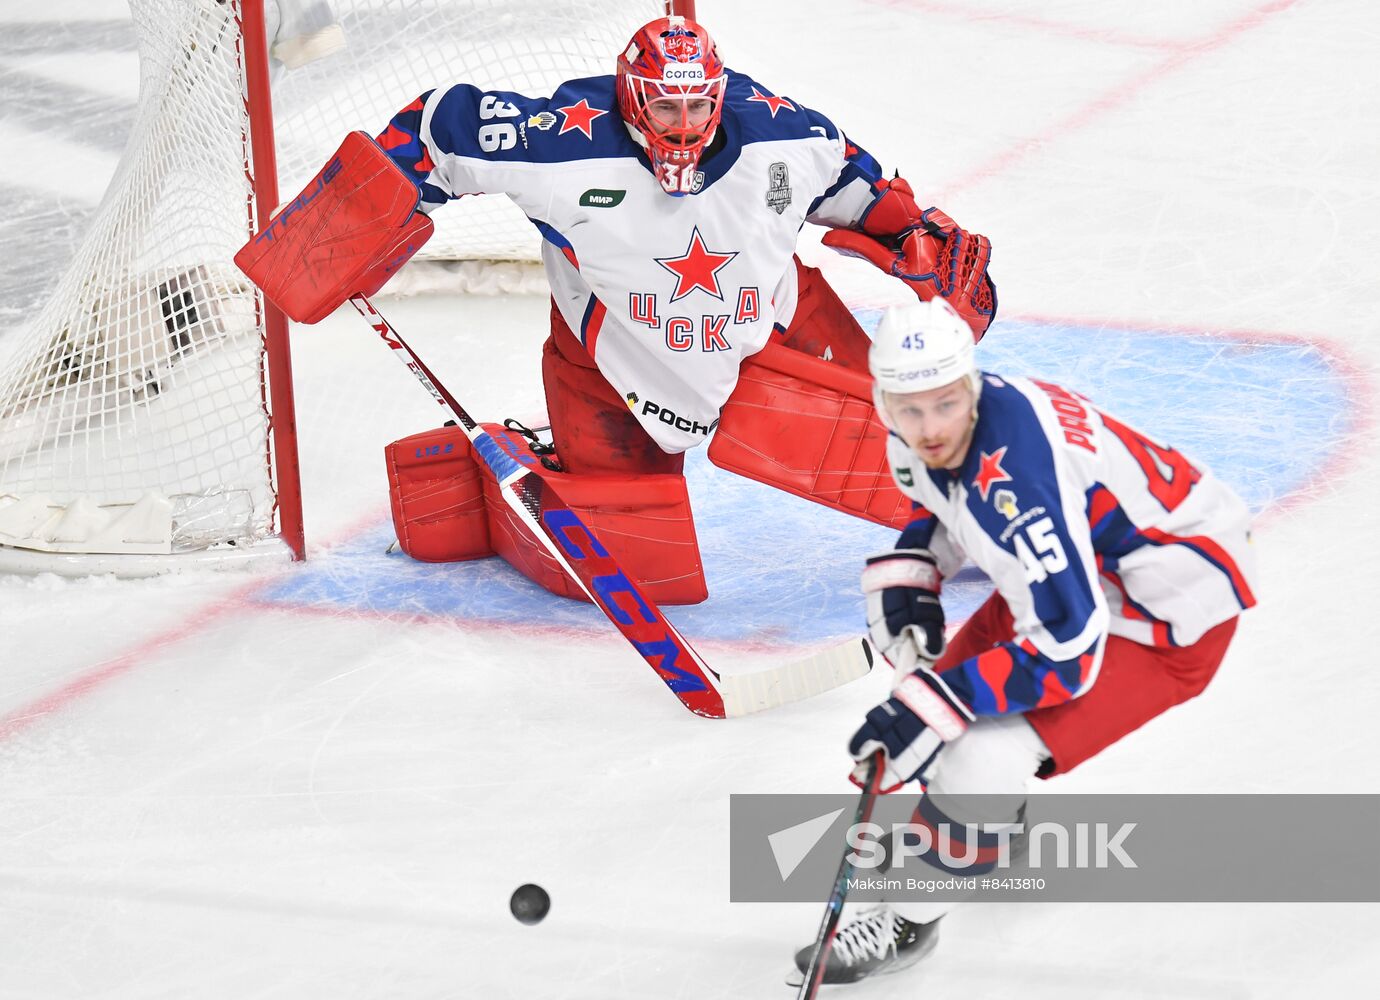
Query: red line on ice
[
  {"x": 1182, "y": 54},
  {"x": 1043, "y": 25},
  {"x": 25, "y": 716},
  {"x": 21, "y": 718}
]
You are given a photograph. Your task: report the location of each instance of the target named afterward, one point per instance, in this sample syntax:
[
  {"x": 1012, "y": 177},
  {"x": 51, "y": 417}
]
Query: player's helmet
[
  {"x": 919, "y": 346},
  {"x": 666, "y": 75}
]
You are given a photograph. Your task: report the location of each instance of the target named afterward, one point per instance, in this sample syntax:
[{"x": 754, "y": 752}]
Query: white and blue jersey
[
  {"x": 1087, "y": 528},
  {"x": 668, "y": 295}
]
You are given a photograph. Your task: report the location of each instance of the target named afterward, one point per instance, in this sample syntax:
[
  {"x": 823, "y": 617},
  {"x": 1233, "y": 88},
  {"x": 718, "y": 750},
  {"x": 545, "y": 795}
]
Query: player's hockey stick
[
  {"x": 701, "y": 689},
  {"x": 824, "y": 940}
]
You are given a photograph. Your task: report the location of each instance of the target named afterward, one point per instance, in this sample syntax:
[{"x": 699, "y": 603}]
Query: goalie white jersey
[
  {"x": 1087, "y": 528},
  {"x": 667, "y": 294}
]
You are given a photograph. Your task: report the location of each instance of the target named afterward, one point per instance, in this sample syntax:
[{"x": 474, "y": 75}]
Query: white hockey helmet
[{"x": 919, "y": 346}]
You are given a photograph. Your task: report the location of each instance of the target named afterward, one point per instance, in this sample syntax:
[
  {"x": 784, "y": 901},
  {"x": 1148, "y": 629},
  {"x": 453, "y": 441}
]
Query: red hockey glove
[{"x": 927, "y": 250}]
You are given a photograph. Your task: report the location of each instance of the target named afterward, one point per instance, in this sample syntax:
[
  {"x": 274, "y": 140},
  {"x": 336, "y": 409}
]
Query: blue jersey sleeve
[
  {"x": 482, "y": 124},
  {"x": 402, "y": 141},
  {"x": 458, "y": 141},
  {"x": 468, "y": 123},
  {"x": 1015, "y": 677},
  {"x": 919, "y": 530}
]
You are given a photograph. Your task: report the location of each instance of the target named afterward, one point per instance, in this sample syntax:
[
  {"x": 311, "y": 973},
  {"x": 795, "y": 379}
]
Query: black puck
[{"x": 530, "y": 903}]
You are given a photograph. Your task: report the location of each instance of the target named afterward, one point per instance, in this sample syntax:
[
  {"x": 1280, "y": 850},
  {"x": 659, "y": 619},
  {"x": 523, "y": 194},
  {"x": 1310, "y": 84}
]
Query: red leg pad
[
  {"x": 643, "y": 519},
  {"x": 807, "y": 426},
  {"x": 437, "y": 495},
  {"x": 447, "y": 508}
]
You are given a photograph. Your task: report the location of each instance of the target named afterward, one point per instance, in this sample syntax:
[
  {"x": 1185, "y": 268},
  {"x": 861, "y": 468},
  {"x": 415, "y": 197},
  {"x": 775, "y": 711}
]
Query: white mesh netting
[
  {"x": 133, "y": 414},
  {"x": 529, "y": 46}
]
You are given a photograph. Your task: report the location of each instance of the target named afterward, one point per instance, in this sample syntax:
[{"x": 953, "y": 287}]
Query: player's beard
[{"x": 946, "y": 454}]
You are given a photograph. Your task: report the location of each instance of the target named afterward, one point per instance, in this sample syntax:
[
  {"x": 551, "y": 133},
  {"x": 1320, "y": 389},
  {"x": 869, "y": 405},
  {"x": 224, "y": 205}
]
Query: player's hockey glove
[
  {"x": 911, "y": 726},
  {"x": 904, "y": 616},
  {"x": 928, "y": 251}
]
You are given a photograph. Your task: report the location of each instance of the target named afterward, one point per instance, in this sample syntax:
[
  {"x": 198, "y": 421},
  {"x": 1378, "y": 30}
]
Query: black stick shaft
[{"x": 829, "y": 926}]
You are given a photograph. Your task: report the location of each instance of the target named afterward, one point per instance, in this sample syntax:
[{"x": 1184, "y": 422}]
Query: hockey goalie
[{"x": 669, "y": 196}]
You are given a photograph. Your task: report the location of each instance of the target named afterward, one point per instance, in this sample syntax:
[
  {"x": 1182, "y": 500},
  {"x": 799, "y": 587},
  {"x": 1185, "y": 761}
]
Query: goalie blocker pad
[
  {"x": 447, "y": 508},
  {"x": 808, "y": 427},
  {"x": 345, "y": 234}
]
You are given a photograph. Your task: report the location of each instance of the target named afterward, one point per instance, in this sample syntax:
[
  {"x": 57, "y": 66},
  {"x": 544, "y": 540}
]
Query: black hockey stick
[
  {"x": 824, "y": 940},
  {"x": 565, "y": 536}
]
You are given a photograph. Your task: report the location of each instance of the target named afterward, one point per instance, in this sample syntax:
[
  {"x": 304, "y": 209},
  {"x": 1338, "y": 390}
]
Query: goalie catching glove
[
  {"x": 345, "y": 234},
  {"x": 925, "y": 249}
]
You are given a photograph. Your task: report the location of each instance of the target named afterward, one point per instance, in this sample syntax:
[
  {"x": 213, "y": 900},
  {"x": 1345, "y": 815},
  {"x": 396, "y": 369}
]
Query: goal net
[{"x": 136, "y": 430}]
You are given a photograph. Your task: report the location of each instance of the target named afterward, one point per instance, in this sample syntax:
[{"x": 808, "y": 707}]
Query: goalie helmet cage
[{"x": 146, "y": 410}]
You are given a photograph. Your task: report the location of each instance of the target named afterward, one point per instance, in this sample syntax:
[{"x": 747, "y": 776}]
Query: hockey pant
[
  {"x": 1135, "y": 684},
  {"x": 977, "y": 786},
  {"x": 795, "y": 421}
]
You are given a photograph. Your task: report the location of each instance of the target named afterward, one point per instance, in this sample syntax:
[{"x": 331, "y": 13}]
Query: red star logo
[
  {"x": 579, "y": 116},
  {"x": 775, "y": 103},
  {"x": 698, "y": 267},
  {"x": 990, "y": 471}
]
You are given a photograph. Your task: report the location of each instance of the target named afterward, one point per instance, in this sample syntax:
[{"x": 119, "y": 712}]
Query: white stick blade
[{"x": 744, "y": 694}]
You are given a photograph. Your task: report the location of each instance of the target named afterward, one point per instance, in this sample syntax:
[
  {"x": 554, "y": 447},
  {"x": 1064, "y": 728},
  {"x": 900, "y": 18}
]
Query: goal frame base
[{"x": 266, "y": 554}]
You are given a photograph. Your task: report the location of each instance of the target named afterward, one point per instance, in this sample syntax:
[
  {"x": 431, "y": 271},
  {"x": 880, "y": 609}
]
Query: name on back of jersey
[{"x": 1072, "y": 414}]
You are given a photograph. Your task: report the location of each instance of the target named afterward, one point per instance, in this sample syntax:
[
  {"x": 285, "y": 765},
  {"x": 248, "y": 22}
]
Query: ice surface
[{"x": 327, "y": 783}]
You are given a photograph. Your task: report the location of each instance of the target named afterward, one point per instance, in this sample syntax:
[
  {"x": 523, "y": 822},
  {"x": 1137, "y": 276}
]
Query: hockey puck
[{"x": 530, "y": 903}]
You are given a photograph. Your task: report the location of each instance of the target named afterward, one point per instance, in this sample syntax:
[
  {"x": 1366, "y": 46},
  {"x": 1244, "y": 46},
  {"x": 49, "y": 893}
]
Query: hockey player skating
[
  {"x": 670, "y": 196},
  {"x": 1120, "y": 567}
]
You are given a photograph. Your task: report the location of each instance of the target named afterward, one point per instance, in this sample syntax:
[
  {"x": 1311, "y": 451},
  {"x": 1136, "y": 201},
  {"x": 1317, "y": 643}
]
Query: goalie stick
[{"x": 700, "y": 688}]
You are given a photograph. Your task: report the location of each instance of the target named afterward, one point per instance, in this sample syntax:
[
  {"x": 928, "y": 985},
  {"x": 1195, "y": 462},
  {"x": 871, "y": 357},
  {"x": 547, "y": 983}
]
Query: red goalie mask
[{"x": 670, "y": 90}]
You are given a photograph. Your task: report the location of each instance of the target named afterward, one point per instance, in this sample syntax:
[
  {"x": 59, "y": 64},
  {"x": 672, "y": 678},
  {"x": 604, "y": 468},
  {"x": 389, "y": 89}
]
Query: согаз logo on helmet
[
  {"x": 916, "y": 374},
  {"x": 685, "y": 73}
]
